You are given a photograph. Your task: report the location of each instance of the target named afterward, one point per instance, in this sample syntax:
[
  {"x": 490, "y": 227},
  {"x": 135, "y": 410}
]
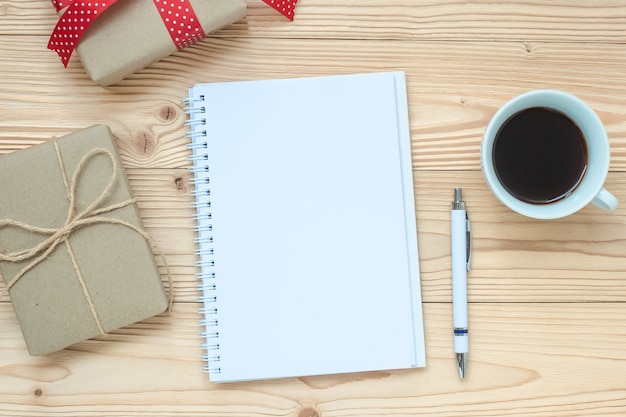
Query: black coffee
[{"x": 540, "y": 155}]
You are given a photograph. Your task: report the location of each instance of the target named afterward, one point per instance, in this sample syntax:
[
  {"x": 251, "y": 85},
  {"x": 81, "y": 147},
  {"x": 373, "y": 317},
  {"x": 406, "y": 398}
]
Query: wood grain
[
  {"x": 454, "y": 89},
  {"x": 527, "y": 360},
  {"x": 576, "y": 259},
  {"x": 546, "y": 297},
  {"x": 556, "y": 20}
]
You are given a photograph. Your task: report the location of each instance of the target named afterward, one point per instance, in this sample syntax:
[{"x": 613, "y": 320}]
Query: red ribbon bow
[{"x": 178, "y": 17}]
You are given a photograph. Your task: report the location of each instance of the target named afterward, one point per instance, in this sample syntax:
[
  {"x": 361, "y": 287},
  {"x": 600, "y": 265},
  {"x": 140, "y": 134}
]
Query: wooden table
[{"x": 547, "y": 298}]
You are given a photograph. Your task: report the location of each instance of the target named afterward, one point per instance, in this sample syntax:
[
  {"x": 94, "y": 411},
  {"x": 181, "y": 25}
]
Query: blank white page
[{"x": 312, "y": 226}]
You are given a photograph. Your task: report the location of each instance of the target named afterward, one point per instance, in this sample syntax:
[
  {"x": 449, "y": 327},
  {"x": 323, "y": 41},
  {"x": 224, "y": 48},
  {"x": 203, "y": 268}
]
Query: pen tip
[{"x": 461, "y": 364}]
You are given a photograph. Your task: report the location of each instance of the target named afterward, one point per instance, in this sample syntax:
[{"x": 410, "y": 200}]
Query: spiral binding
[{"x": 202, "y": 193}]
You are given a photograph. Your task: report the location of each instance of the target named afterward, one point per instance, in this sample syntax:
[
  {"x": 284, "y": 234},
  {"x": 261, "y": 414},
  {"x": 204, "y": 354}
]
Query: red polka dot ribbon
[
  {"x": 73, "y": 24},
  {"x": 286, "y": 7},
  {"x": 59, "y": 4},
  {"x": 181, "y": 22},
  {"x": 178, "y": 16}
]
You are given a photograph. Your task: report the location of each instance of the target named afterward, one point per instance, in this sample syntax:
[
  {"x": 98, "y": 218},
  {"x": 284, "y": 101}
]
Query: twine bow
[{"x": 76, "y": 220}]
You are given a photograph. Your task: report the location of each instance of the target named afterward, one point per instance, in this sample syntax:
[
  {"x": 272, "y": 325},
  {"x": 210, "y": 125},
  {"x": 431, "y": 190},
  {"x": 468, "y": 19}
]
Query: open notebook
[{"x": 306, "y": 219}]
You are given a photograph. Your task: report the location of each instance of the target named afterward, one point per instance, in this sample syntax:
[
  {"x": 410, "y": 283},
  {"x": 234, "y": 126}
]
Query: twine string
[{"x": 75, "y": 220}]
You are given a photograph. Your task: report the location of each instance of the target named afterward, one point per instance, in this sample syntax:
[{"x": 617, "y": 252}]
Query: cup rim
[{"x": 598, "y": 159}]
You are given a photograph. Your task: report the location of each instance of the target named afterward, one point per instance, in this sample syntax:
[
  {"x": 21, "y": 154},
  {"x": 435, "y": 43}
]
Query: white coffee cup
[{"x": 589, "y": 190}]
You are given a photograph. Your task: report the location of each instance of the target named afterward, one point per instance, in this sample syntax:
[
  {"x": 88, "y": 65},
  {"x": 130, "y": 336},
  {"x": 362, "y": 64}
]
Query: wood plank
[
  {"x": 525, "y": 360},
  {"x": 454, "y": 89},
  {"x": 519, "y": 20},
  {"x": 515, "y": 259}
]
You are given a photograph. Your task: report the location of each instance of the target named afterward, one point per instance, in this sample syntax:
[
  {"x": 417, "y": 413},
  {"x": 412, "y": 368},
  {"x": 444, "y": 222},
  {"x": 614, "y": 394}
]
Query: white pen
[{"x": 461, "y": 249}]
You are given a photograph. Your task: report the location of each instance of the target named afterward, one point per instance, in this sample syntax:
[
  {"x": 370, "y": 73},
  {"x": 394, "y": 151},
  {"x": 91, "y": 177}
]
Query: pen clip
[{"x": 468, "y": 241}]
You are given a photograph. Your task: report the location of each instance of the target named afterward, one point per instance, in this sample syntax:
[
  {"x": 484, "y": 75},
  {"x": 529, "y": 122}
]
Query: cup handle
[{"x": 605, "y": 200}]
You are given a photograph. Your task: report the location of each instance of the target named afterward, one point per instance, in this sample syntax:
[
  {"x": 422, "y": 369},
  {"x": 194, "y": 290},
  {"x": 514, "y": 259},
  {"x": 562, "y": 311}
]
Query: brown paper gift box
[
  {"x": 116, "y": 262},
  {"x": 130, "y": 35}
]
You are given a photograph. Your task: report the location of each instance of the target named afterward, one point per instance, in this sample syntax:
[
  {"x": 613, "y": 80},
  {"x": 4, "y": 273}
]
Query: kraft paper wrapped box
[
  {"x": 104, "y": 274},
  {"x": 131, "y": 34}
]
